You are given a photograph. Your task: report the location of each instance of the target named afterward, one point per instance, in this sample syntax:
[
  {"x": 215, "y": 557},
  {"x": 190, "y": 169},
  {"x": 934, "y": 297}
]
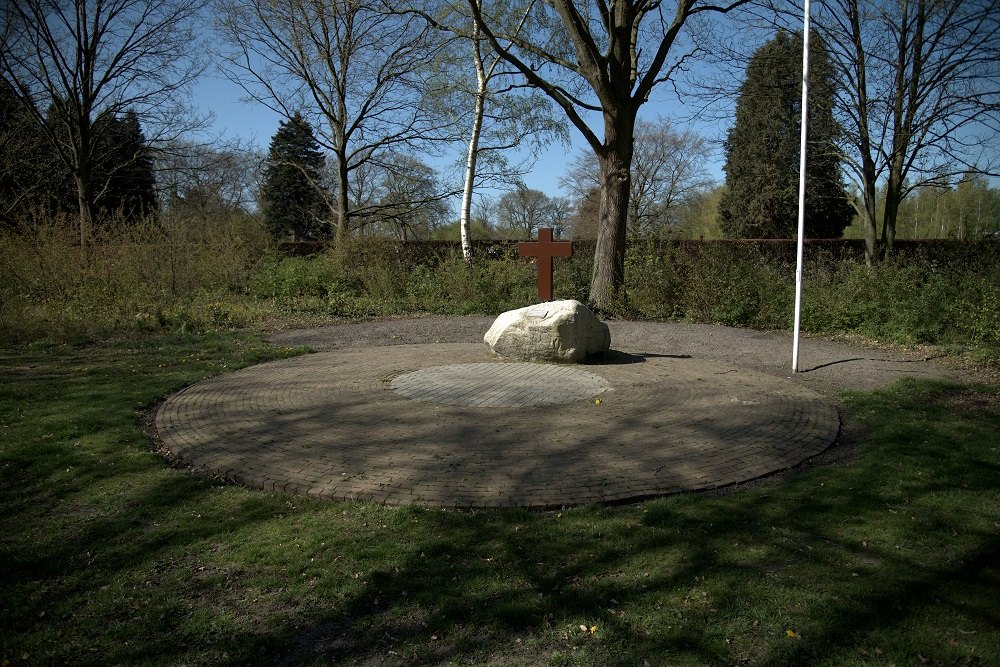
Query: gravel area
[{"x": 827, "y": 366}]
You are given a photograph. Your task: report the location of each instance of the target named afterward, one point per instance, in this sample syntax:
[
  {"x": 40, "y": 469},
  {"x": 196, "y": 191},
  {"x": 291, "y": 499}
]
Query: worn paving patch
[
  {"x": 493, "y": 385},
  {"x": 407, "y": 424}
]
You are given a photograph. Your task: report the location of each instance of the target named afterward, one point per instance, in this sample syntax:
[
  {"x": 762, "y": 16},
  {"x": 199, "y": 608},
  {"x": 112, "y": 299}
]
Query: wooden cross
[{"x": 544, "y": 250}]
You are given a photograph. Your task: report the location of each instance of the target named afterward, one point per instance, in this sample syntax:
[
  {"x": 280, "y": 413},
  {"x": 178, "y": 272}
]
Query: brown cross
[{"x": 544, "y": 250}]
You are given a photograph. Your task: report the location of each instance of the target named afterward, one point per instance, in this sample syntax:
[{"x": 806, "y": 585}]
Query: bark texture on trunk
[
  {"x": 606, "y": 291},
  {"x": 83, "y": 197},
  {"x": 465, "y": 221},
  {"x": 343, "y": 195},
  {"x": 606, "y": 287},
  {"x": 869, "y": 213}
]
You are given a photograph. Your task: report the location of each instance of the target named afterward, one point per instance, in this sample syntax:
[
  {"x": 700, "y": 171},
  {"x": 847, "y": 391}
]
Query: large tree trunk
[
  {"x": 343, "y": 201},
  {"x": 85, "y": 203},
  {"x": 869, "y": 185},
  {"x": 606, "y": 292},
  {"x": 892, "y": 198},
  {"x": 869, "y": 201}
]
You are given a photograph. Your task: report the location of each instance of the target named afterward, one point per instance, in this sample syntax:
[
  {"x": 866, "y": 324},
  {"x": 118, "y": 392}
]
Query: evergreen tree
[
  {"x": 762, "y": 147},
  {"x": 28, "y": 164},
  {"x": 125, "y": 169},
  {"x": 33, "y": 180},
  {"x": 293, "y": 205}
]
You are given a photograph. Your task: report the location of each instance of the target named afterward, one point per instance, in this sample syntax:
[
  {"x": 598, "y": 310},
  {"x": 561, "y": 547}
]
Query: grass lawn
[{"x": 111, "y": 556}]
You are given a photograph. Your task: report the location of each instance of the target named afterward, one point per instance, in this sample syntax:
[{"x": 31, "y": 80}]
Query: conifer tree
[
  {"x": 125, "y": 167},
  {"x": 34, "y": 181},
  {"x": 762, "y": 147},
  {"x": 27, "y": 162},
  {"x": 293, "y": 203}
]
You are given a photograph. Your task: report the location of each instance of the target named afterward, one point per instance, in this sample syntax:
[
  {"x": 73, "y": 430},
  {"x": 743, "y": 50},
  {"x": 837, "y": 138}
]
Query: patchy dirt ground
[{"x": 825, "y": 365}]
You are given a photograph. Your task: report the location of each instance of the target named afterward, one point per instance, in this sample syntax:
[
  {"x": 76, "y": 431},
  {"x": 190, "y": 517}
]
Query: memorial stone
[{"x": 562, "y": 331}]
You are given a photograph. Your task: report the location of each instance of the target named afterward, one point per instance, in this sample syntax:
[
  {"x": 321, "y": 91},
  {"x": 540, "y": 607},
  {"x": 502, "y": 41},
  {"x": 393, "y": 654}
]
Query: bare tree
[
  {"x": 668, "y": 167},
  {"x": 596, "y": 58},
  {"x": 920, "y": 103},
  {"x": 202, "y": 183},
  {"x": 402, "y": 197},
  {"x": 73, "y": 62},
  {"x": 507, "y": 117},
  {"x": 521, "y": 212},
  {"x": 585, "y": 217},
  {"x": 364, "y": 71}
]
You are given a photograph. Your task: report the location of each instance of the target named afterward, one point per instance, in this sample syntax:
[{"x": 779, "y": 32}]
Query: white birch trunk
[
  {"x": 470, "y": 172},
  {"x": 482, "y": 81}
]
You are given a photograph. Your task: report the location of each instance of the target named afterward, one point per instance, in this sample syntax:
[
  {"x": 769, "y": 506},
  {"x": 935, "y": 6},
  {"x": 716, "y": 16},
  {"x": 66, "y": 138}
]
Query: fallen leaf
[{"x": 790, "y": 633}]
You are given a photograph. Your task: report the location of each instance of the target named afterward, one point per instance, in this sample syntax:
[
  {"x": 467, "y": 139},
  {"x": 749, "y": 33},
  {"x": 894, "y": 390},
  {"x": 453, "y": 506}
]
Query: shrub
[
  {"x": 735, "y": 285},
  {"x": 654, "y": 278},
  {"x": 134, "y": 275},
  {"x": 168, "y": 273},
  {"x": 291, "y": 277}
]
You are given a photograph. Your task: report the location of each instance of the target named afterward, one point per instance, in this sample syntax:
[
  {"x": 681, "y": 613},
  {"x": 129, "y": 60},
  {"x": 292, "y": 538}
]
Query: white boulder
[{"x": 565, "y": 331}]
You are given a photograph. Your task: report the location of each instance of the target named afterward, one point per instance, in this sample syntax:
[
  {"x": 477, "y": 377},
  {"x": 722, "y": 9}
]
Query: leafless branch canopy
[
  {"x": 366, "y": 75},
  {"x": 596, "y": 56}
]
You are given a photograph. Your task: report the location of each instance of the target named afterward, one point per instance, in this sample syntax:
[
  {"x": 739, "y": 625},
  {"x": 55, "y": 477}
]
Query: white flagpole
[{"x": 802, "y": 190}]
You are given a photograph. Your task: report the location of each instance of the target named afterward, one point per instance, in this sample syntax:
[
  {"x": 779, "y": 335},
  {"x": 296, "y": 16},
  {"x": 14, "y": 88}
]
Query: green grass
[{"x": 111, "y": 556}]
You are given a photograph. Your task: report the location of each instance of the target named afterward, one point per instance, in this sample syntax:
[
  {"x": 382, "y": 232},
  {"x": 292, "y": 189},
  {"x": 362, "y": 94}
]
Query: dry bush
[{"x": 149, "y": 274}]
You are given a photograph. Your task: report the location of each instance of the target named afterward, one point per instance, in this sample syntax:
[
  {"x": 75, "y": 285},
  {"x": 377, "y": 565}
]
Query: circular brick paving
[
  {"x": 331, "y": 425},
  {"x": 493, "y": 385}
]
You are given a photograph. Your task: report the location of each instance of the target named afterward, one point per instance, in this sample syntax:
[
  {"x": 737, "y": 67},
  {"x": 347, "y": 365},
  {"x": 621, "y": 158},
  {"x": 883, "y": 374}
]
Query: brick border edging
[{"x": 326, "y": 425}]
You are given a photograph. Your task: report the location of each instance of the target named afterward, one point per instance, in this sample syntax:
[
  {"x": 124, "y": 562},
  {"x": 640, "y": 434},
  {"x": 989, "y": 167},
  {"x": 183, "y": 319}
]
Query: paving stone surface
[
  {"x": 493, "y": 385},
  {"x": 340, "y": 425}
]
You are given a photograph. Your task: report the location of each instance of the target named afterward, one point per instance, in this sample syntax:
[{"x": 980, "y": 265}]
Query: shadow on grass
[
  {"x": 112, "y": 557},
  {"x": 549, "y": 583}
]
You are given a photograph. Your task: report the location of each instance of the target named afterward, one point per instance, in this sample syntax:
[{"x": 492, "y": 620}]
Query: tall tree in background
[
  {"x": 93, "y": 59},
  {"x": 920, "y": 100},
  {"x": 25, "y": 161},
  {"x": 591, "y": 56},
  {"x": 292, "y": 201},
  {"x": 762, "y": 147},
  {"x": 202, "y": 184},
  {"x": 521, "y": 212},
  {"x": 406, "y": 200},
  {"x": 968, "y": 211},
  {"x": 363, "y": 72},
  {"x": 667, "y": 169},
  {"x": 124, "y": 168}
]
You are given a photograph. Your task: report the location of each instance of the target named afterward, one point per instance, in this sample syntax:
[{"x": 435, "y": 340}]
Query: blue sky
[{"x": 256, "y": 123}]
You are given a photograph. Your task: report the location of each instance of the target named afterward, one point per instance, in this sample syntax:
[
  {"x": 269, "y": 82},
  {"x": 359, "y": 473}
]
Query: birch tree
[
  {"x": 505, "y": 118},
  {"x": 599, "y": 61},
  {"x": 510, "y": 122}
]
